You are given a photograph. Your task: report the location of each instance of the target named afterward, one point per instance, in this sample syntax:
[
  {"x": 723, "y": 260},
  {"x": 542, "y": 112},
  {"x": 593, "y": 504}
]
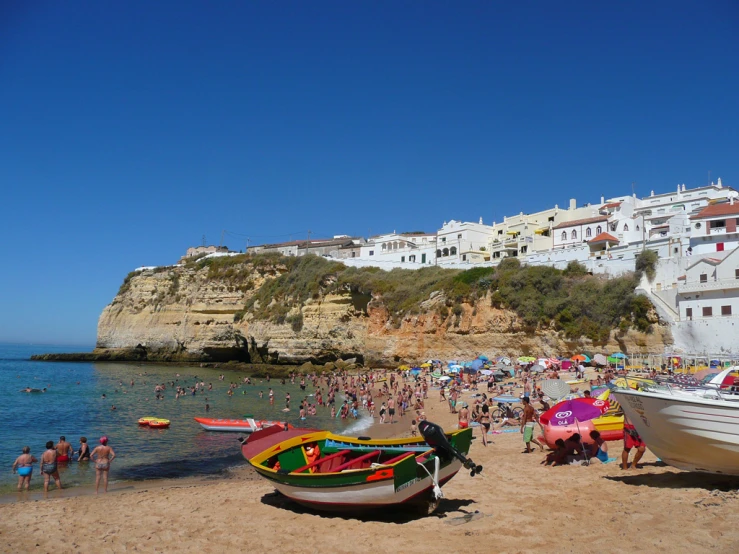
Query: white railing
[{"x": 717, "y": 284}]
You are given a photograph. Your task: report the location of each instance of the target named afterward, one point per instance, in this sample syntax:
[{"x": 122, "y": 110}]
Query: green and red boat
[{"x": 324, "y": 471}]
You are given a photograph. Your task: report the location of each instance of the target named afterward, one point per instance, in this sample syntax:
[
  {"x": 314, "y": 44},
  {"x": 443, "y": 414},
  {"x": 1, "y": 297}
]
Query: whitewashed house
[
  {"x": 710, "y": 288},
  {"x": 463, "y": 242},
  {"x": 398, "y": 249},
  {"x": 714, "y": 228}
]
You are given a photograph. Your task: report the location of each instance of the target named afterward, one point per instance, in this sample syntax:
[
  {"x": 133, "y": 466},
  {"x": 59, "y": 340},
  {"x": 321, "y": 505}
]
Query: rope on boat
[{"x": 435, "y": 477}]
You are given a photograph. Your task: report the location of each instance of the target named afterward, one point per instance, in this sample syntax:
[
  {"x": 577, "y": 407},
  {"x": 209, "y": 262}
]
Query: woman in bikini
[
  {"x": 49, "y": 466},
  {"x": 24, "y": 466},
  {"x": 84, "y": 453},
  {"x": 102, "y": 455}
]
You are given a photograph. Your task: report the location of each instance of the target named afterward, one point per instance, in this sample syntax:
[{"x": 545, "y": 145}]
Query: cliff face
[{"x": 183, "y": 313}]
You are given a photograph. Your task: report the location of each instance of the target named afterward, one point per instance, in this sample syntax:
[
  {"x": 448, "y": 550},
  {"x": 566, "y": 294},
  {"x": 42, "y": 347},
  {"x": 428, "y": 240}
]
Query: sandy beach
[{"x": 517, "y": 505}]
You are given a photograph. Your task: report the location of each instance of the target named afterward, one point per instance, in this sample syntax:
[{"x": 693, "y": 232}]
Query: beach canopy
[
  {"x": 425, "y": 364},
  {"x": 600, "y": 359},
  {"x": 538, "y": 368},
  {"x": 555, "y": 388},
  {"x": 619, "y": 355},
  {"x": 569, "y": 412},
  {"x": 445, "y": 378},
  {"x": 454, "y": 369},
  {"x": 486, "y": 372},
  {"x": 614, "y": 360},
  {"x": 503, "y": 360},
  {"x": 483, "y": 358},
  {"x": 477, "y": 364},
  {"x": 403, "y": 368},
  {"x": 601, "y": 404}
]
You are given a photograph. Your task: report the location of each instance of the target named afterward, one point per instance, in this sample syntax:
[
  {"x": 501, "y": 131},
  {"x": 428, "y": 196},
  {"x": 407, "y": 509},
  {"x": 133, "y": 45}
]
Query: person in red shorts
[{"x": 631, "y": 440}]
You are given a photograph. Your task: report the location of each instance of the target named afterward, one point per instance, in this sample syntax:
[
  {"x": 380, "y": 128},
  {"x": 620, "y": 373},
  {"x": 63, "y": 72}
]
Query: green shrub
[{"x": 646, "y": 262}]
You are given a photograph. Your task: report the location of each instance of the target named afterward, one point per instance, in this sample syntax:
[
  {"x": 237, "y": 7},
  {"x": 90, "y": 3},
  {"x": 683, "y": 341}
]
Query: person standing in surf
[
  {"x": 23, "y": 465},
  {"x": 102, "y": 455}
]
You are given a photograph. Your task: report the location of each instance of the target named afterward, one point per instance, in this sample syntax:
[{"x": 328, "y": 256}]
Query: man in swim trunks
[
  {"x": 102, "y": 455},
  {"x": 49, "y": 467},
  {"x": 23, "y": 464},
  {"x": 631, "y": 440},
  {"x": 391, "y": 409},
  {"x": 64, "y": 451},
  {"x": 528, "y": 423}
]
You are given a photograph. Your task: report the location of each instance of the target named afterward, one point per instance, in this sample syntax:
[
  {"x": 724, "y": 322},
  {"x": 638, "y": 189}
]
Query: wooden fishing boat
[
  {"x": 248, "y": 425},
  {"x": 330, "y": 472}
]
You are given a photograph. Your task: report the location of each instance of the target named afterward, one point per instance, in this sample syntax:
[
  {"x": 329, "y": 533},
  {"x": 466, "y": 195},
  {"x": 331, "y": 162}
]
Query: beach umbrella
[
  {"x": 619, "y": 355},
  {"x": 462, "y": 404},
  {"x": 602, "y": 405},
  {"x": 445, "y": 378},
  {"x": 486, "y": 372},
  {"x": 436, "y": 374},
  {"x": 455, "y": 366},
  {"x": 700, "y": 375},
  {"x": 555, "y": 388},
  {"x": 600, "y": 359},
  {"x": 526, "y": 359},
  {"x": 477, "y": 364},
  {"x": 537, "y": 368},
  {"x": 569, "y": 412},
  {"x": 580, "y": 358},
  {"x": 454, "y": 369},
  {"x": 415, "y": 370},
  {"x": 483, "y": 358},
  {"x": 403, "y": 368},
  {"x": 614, "y": 360},
  {"x": 426, "y": 364}
]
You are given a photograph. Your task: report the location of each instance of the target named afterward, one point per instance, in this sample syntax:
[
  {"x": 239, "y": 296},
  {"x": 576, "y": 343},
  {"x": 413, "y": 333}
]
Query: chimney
[
  {"x": 731, "y": 200},
  {"x": 602, "y": 200},
  {"x": 480, "y": 220},
  {"x": 652, "y": 194},
  {"x": 719, "y": 183},
  {"x": 573, "y": 204},
  {"x": 683, "y": 187}
]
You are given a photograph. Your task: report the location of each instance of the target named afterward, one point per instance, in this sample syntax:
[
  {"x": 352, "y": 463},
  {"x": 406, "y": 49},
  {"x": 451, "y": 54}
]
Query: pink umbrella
[{"x": 569, "y": 412}]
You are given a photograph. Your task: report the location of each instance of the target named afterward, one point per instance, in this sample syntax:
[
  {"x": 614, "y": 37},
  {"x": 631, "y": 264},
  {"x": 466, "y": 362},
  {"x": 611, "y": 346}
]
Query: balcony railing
[{"x": 718, "y": 284}]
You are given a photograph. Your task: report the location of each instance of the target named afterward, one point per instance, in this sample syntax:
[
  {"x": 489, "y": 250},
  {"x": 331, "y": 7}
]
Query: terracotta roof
[
  {"x": 604, "y": 237},
  {"x": 612, "y": 205},
  {"x": 581, "y": 221},
  {"x": 717, "y": 210},
  {"x": 682, "y": 277}
]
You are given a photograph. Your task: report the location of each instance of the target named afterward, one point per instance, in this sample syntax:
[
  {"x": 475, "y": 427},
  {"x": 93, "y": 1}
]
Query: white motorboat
[{"x": 687, "y": 431}]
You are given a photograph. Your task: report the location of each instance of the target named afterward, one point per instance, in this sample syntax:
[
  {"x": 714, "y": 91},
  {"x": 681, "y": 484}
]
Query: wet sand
[{"x": 516, "y": 506}]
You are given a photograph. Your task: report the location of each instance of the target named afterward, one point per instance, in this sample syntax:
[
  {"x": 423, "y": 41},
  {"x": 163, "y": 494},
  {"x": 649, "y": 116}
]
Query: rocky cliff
[{"x": 192, "y": 313}]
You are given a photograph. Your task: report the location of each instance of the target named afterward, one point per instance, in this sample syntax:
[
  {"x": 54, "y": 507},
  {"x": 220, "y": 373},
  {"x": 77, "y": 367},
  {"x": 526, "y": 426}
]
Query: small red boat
[{"x": 248, "y": 425}]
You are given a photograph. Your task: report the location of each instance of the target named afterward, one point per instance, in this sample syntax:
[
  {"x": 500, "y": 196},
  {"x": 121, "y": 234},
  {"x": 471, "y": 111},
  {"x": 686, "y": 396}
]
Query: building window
[
  {"x": 445, "y": 252},
  {"x": 371, "y": 252},
  {"x": 736, "y": 274},
  {"x": 564, "y": 235},
  {"x": 704, "y": 278},
  {"x": 626, "y": 227},
  {"x": 588, "y": 232},
  {"x": 725, "y": 310},
  {"x": 411, "y": 258},
  {"x": 402, "y": 258},
  {"x": 689, "y": 313},
  {"x": 384, "y": 246},
  {"x": 637, "y": 227},
  {"x": 598, "y": 230},
  {"x": 438, "y": 253},
  {"x": 453, "y": 250},
  {"x": 354, "y": 254},
  {"x": 464, "y": 257},
  {"x": 459, "y": 236},
  {"x": 719, "y": 247},
  {"x": 707, "y": 311},
  {"x": 443, "y": 239},
  {"x": 574, "y": 234}
]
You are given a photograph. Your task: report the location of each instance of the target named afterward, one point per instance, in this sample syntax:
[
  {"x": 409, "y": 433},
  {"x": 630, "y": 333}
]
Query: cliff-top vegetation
[{"x": 569, "y": 300}]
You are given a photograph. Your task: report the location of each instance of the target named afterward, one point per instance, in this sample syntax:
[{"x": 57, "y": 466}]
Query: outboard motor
[{"x": 435, "y": 437}]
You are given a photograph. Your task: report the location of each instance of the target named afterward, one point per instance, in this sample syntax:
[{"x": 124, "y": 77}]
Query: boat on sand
[{"x": 330, "y": 472}]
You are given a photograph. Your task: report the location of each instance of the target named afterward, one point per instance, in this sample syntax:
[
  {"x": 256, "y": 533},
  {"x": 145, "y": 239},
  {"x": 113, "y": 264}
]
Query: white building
[
  {"x": 400, "y": 248},
  {"x": 462, "y": 241},
  {"x": 714, "y": 228},
  {"x": 710, "y": 288}
]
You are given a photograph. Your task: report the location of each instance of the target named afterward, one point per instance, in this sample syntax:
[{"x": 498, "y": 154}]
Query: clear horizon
[{"x": 133, "y": 130}]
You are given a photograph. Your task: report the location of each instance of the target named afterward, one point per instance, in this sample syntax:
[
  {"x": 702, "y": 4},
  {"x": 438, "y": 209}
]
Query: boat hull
[
  {"x": 694, "y": 434},
  {"x": 235, "y": 425}
]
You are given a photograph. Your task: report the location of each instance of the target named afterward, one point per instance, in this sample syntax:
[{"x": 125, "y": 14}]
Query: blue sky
[{"x": 132, "y": 129}]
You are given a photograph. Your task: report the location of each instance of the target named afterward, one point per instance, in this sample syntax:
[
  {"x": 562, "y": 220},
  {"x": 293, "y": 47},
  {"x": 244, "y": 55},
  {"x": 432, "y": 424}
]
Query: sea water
[{"x": 73, "y": 406}]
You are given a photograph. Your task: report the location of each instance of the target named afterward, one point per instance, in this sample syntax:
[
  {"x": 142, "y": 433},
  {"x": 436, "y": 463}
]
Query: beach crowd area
[{"x": 516, "y": 505}]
